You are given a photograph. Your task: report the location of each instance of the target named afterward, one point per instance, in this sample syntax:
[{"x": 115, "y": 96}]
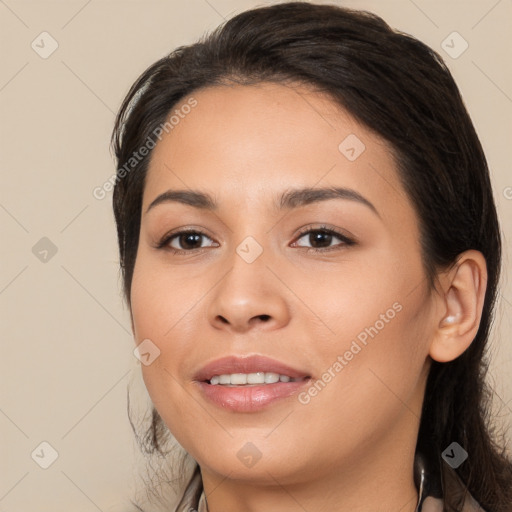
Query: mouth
[
  {"x": 250, "y": 379},
  {"x": 249, "y": 384}
]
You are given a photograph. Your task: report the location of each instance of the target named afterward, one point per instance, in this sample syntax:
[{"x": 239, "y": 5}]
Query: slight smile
[{"x": 249, "y": 384}]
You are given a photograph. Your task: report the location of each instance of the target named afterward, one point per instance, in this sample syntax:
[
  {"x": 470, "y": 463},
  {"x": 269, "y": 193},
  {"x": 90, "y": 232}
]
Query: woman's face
[{"x": 304, "y": 267}]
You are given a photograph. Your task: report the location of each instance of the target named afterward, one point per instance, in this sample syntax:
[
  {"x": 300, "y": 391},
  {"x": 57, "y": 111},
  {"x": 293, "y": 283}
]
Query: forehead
[{"x": 246, "y": 144}]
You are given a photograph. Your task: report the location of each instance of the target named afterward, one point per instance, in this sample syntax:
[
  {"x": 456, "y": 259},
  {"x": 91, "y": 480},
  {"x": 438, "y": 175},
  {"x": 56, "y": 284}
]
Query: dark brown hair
[{"x": 402, "y": 90}]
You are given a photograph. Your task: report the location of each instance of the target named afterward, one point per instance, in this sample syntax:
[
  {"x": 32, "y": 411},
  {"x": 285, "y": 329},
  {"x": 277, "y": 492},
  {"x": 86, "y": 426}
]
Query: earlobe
[{"x": 462, "y": 292}]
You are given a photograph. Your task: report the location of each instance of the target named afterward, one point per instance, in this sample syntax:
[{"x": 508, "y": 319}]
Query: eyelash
[{"x": 164, "y": 242}]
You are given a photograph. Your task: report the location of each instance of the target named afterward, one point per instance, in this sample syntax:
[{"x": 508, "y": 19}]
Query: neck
[{"x": 378, "y": 478}]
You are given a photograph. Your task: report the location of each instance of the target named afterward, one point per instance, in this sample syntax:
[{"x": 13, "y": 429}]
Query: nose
[{"x": 249, "y": 296}]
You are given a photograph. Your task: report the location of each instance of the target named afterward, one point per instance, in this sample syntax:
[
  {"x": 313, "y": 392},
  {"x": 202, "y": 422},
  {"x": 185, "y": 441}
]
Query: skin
[{"x": 352, "y": 446}]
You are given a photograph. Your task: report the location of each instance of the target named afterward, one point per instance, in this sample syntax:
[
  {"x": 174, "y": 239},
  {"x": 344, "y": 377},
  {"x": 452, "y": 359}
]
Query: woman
[{"x": 310, "y": 253}]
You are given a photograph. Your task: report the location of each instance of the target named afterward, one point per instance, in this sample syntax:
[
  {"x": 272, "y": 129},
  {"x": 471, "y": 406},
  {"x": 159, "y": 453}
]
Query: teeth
[
  {"x": 270, "y": 378},
  {"x": 238, "y": 379},
  {"x": 255, "y": 378},
  {"x": 224, "y": 379},
  {"x": 242, "y": 379}
]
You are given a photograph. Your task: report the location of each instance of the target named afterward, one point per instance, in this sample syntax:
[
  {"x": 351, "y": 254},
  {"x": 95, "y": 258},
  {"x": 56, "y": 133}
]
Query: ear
[{"x": 462, "y": 294}]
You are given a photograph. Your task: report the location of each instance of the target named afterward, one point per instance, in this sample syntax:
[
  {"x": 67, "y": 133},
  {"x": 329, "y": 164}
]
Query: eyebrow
[{"x": 294, "y": 198}]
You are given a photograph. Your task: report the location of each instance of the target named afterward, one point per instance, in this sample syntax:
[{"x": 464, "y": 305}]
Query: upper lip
[{"x": 247, "y": 364}]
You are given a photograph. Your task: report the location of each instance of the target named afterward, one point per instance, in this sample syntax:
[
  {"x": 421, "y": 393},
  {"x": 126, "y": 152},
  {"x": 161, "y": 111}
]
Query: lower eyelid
[{"x": 343, "y": 241}]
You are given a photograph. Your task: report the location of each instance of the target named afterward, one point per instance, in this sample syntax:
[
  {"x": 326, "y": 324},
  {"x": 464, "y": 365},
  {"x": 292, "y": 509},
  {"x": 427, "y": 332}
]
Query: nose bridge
[{"x": 249, "y": 292}]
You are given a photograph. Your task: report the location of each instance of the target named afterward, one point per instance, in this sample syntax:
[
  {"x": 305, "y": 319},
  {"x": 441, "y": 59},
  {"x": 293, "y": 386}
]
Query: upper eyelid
[
  {"x": 346, "y": 239},
  {"x": 303, "y": 232},
  {"x": 166, "y": 239}
]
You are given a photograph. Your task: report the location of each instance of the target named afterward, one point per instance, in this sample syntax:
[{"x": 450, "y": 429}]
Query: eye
[
  {"x": 188, "y": 241},
  {"x": 322, "y": 237},
  {"x": 183, "y": 242}
]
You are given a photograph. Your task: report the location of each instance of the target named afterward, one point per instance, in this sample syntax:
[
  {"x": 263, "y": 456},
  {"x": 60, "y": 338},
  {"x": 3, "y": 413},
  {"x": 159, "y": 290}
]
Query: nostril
[{"x": 265, "y": 317}]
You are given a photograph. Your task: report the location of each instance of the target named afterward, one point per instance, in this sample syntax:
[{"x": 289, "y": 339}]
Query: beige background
[{"x": 67, "y": 349}]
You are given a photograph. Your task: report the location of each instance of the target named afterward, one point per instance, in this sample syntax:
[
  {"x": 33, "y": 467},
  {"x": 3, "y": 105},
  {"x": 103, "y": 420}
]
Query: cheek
[
  {"x": 163, "y": 306},
  {"x": 163, "y": 301},
  {"x": 382, "y": 331},
  {"x": 385, "y": 376},
  {"x": 359, "y": 304},
  {"x": 147, "y": 300},
  {"x": 363, "y": 290},
  {"x": 381, "y": 380}
]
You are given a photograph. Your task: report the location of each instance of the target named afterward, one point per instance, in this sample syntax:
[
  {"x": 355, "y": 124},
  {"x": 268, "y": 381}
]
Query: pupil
[
  {"x": 314, "y": 238},
  {"x": 189, "y": 238}
]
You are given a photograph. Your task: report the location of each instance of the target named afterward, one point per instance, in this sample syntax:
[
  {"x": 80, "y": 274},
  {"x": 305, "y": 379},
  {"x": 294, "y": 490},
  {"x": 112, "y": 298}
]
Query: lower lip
[{"x": 250, "y": 398}]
